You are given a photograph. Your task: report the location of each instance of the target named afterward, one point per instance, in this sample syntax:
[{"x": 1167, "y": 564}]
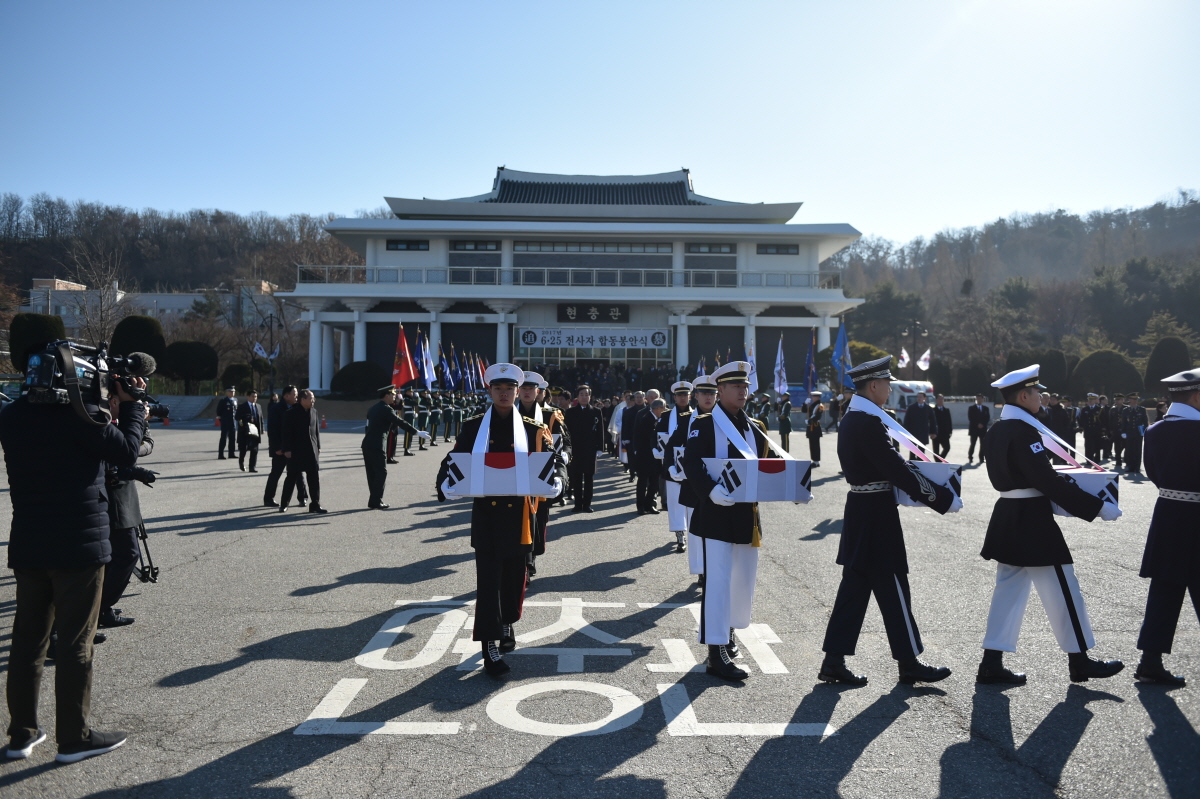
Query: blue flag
[
  {"x": 841, "y": 356},
  {"x": 447, "y": 373},
  {"x": 456, "y": 370},
  {"x": 419, "y": 360},
  {"x": 810, "y": 365}
]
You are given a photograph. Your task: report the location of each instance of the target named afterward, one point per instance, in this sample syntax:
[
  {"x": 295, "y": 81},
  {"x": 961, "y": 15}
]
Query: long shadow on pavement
[
  {"x": 399, "y": 576},
  {"x": 1174, "y": 743}
]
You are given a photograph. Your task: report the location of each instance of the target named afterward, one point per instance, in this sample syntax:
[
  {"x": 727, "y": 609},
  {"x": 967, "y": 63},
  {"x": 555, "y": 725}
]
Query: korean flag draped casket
[
  {"x": 943, "y": 474},
  {"x": 762, "y": 480},
  {"x": 500, "y": 473},
  {"x": 1096, "y": 482}
]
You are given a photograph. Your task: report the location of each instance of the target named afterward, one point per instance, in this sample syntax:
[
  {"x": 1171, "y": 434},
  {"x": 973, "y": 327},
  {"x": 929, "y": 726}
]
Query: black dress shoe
[
  {"x": 315, "y": 508},
  {"x": 993, "y": 675},
  {"x": 241, "y": 467},
  {"x": 270, "y": 503},
  {"x": 1157, "y": 674},
  {"x": 283, "y": 507},
  {"x": 732, "y": 646},
  {"x": 409, "y": 454},
  {"x": 254, "y": 471},
  {"x": 493, "y": 663},
  {"x": 379, "y": 506},
  {"x": 393, "y": 460},
  {"x": 111, "y": 618},
  {"x": 508, "y": 641},
  {"x": 220, "y": 457},
  {"x": 1084, "y": 668},
  {"x": 721, "y": 665},
  {"x": 913, "y": 670},
  {"x": 834, "y": 670},
  {"x": 652, "y": 509}
]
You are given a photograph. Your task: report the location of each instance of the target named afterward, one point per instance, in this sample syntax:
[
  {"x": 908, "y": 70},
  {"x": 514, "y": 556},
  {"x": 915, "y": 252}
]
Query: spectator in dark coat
[
  {"x": 124, "y": 519},
  {"x": 921, "y": 422},
  {"x": 302, "y": 448},
  {"x": 226, "y": 415},
  {"x": 642, "y": 457},
  {"x": 275, "y": 416},
  {"x": 249, "y": 413},
  {"x": 979, "y": 416},
  {"x": 945, "y": 427}
]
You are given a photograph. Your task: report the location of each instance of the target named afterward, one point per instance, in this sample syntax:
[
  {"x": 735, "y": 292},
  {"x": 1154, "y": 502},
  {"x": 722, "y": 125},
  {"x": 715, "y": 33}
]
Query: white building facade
[{"x": 578, "y": 270}]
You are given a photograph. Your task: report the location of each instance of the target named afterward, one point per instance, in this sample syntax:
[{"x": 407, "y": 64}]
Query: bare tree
[{"x": 98, "y": 310}]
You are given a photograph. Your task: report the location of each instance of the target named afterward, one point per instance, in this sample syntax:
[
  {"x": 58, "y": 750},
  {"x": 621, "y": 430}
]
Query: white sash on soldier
[
  {"x": 1052, "y": 442},
  {"x": 480, "y": 448},
  {"x": 894, "y": 429}
]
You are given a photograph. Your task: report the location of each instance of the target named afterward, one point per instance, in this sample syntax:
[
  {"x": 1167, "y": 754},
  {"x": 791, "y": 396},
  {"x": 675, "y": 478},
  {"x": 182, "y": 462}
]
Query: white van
[{"x": 904, "y": 393}]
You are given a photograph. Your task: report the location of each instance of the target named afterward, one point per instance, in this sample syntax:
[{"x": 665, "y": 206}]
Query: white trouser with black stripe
[
  {"x": 1059, "y": 591},
  {"x": 729, "y": 574},
  {"x": 679, "y": 516}
]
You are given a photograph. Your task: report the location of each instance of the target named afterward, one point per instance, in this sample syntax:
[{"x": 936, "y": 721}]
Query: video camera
[{"x": 69, "y": 373}]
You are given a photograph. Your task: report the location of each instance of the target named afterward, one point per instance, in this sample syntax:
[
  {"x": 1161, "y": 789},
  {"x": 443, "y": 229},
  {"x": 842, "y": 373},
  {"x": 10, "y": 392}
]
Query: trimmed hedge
[
  {"x": 32, "y": 331},
  {"x": 359, "y": 379},
  {"x": 1104, "y": 372}
]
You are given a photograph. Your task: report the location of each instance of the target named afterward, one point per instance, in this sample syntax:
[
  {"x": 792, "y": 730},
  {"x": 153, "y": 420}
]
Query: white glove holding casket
[
  {"x": 720, "y": 496},
  {"x": 421, "y": 434},
  {"x": 956, "y": 505},
  {"x": 448, "y": 491},
  {"x": 675, "y": 473},
  {"x": 1109, "y": 512},
  {"x": 557, "y": 485}
]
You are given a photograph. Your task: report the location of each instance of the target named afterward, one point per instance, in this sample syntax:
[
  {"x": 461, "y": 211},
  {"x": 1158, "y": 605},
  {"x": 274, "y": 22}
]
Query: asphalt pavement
[{"x": 294, "y": 654}]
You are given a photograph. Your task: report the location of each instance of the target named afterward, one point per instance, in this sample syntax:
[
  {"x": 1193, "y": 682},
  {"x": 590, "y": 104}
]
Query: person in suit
[
  {"x": 1027, "y": 544},
  {"x": 249, "y": 414},
  {"x": 729, "y": 532},
  {"x": 920, "y": 421},
  {"x": 813, "y": 410},
  {"x": 302, "y": 448},
  {"x": 586, "y": 426},
  {"x": 644, "y": 444},
  {"x": 1091, "y": 422},
  {"x": 1172, "y": 557},
  {"x": 945, "y": 427},
  {"x": 872, "y": 552},
  {"x": 785, "y": 422},
  {"x": 501, "y": 526},
  {"x": 275, "y": 416},
  {"x": 1116, "y": 415},
  {"x": 636, "y": 403},
  {"x": 1058, "y": 419},
  {"x": 226, "y": 415},
  {"x": 382, "y": 419}
]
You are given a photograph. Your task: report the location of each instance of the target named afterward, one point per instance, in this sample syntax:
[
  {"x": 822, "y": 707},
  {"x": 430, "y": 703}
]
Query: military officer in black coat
[
  {"x": 785, "y": 422},
  {"x": 249, "y": 413},
  {"x": 586, "y": 426},
  {"x": 872, "y": 553},
  {"x": 227, "y": 415},
  {"x": 730, "y": 533},
  {"x": 644, "y": 458},
  {"x": 979, "y": 416},
  {"x": 920, "y": 421},
  {"x": 1134, "y": 422},
  {"x": 1027, "y": 544},
  {"x": 381, "y": 420},
  {"x": 302, "y": 448},
  {"x": 435, "y": 417},
  {"x": 1116, "y": 415},
  {"x": 945, "y": 426},
  {"x": 813, "y": 410},
  {"x": 501, "y": 526},
  {"x": 1091, "y": 422},
  {"x": 1172, "y": 556}
]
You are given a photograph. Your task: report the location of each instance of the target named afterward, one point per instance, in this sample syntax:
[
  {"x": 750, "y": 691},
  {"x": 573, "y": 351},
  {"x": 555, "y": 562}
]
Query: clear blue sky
[{"x": 900, "y": 118}]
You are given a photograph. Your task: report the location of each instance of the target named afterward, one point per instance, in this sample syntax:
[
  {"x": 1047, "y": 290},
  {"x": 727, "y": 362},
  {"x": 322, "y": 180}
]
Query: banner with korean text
[{"x": 593, "y": 337}]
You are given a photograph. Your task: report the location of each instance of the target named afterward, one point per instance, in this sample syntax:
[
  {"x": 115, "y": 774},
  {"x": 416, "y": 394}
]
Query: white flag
[
  {"x": 753, "y": 378},
  {"x": 923, "y": 361},
  {"x": 781, "y": 381},
  {"x": 260, "y": 350},
  {"x": 275, "y": 352},
  {"x": 903, "y": 362}
]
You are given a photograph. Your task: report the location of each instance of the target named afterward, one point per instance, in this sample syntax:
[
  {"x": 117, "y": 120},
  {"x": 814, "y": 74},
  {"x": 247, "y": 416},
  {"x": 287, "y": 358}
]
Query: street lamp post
[
  {"x": 914, "y": 329},
  {"x": 270, "y": 322}
]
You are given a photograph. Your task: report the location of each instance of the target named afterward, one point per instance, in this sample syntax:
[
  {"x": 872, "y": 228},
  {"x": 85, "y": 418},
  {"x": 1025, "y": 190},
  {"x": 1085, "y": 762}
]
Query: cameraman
[
  {"x": 57, "y": 550},
  {"x": 124, "y": 518}
]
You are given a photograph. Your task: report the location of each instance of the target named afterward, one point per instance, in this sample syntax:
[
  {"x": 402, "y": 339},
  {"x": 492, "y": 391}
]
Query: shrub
[
  {"x": 359, "y": 379},
  {"x": 238, "y": 375},
  {"x": 190, "y": 361},
  {"x": 139, "y": 334},
  {"x": 1105, "y": 372},
  {"x": 32, "y": 331},
  {"x": 1169, "y": 356}
]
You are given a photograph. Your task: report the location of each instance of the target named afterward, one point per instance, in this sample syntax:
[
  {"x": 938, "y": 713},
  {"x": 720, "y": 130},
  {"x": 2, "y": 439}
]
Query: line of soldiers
[
  {"x": 428, "y": 411},
  {"x": 1117, "y": 430}
]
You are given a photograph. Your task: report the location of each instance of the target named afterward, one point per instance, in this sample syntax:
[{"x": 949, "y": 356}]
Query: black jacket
[
  {"x": 275, "y": 414},
  {"x": 872, "y": 538},
  {"x": 302, "y": 436},
  {"x": 1023, "y": 532},
  {"x": 920, "y": 421},
  {"x": 55, "y": 466},
  {"x": 734, "y": 524},
  {"x": 124, "y": 508},
  {"x": 978, "y": 415},
  {"x": 812, "y": 418},
  {"x": 381, "y": 420},
  {"x": 586, "y": 426},
  {"x": 249, "y": 413},
  {"x": 645, "y": 438},
  {"x": 678, "y": 439},
  {"x": 1173, "y": 461},
  {"x": 945, "y": 425},
  {"x": 227, "y": 408},
  {"x": 1091, "y": 421}
]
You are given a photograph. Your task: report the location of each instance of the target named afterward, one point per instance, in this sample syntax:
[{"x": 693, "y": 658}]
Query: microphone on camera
[{"x": 141, "y": 364}]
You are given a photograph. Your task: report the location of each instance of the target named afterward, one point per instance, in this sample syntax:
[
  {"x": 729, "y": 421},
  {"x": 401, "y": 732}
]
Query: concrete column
[
  {"x": 359, "y": 307},
  {"x": 314, "y": 354},
  {"x": 751, "y": 310},
  {"x": 823, "y": 335},
  {"x": 435, "y": 307},
  {"x": 681, "y": 344},
  {"x": 326, "y": 356},
  {"x": 344, "y": 349},
  {"x": 678, "y": 274},
  {"x": 502, "y": 307},
  {"x": 506, "y": 262}
]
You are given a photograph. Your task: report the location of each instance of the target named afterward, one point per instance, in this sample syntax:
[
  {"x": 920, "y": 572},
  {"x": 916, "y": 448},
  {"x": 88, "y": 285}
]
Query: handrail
[{"x": 585, "y": 278}]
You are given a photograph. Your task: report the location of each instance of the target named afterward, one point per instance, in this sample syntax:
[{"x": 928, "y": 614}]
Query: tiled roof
[{"x": 659, "y": 193}]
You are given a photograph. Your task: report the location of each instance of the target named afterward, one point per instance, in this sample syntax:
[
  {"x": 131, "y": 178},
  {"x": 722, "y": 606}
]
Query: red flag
[
  {"x": 479, "y": 365},
  {"x": 403, "y": 368}
]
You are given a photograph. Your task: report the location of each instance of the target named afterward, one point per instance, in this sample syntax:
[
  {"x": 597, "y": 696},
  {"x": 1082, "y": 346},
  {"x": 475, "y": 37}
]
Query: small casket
[
  {"x": 762, "y": 480},
  {"x": 944, "y": 474},
  {"x": 1096, "y": 482},
  {"x": 500, "y": 473}
]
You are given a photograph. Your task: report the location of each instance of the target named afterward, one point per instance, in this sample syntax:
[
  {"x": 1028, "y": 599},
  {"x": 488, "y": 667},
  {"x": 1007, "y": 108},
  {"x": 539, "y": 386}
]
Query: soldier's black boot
[
  {"x": 1084, "y": 668},
  {"x": 732, "y": 646},
  {"x": 992, "y": 671},
  {"x": 493, "y": 661},
  {"x": 508, "y": 640},
  {"x": 913, "y": 670},
  {"x": 1152, "y": 671},
  {"x": 721, "y": 665},
  {"x": 680, "y": 541},
  {"x": 834, "y": 669}
]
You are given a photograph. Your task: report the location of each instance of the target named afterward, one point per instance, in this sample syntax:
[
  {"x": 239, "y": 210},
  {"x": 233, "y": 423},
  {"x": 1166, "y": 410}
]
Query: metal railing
[{"x": 594, "y": 278}]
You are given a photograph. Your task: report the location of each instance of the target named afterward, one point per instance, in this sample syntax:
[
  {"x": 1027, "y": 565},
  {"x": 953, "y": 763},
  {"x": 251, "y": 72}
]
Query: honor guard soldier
[
  {"x": 586, "y": 426},
  {"x": 408, "y": 404},
  {"x": 527, "y": 394},
  {"x": 814, "y": 409},
  {"x": 1172, "y": 556},
  {"x": 979, "y": 416},
  {"x": 424, "y": 408},
  {"x": 1091, "y": 422},
  {"x": 1133, "y": 428},
  {"x": 501, "y": 526},
  {"x": 381, "y": 420},
  {"x": 872, "y": 553},
  {"x": 785, "y": 422},
  {"x": 704, "y": 392},
  {"x": 435, "y": 417},
  {"x": 1116, "y": 416},
  {"x": 1027, "y": 544},
  {"x": 227, "y": 414},
  {"x": 730, "y": 533},
  {"x": 678, "y": 416}
]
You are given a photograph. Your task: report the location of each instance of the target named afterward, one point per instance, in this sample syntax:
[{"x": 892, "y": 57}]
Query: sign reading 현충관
[{"x": 593, "y": 337}]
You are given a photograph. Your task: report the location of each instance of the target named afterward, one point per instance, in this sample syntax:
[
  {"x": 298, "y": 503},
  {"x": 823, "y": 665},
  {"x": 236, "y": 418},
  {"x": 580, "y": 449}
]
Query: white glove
[
  {"x": 448, "y": 491},
  {"x": 675, "y": 474},
  {"x": 1109, "y": 512},
  {"x": 720, "y": 496},
  {"x": 956, "y": 505},
  {"x": 421, "y": 434},
  {"x": 557, "y": 485},
  {"x": 1124, "y": 435}
]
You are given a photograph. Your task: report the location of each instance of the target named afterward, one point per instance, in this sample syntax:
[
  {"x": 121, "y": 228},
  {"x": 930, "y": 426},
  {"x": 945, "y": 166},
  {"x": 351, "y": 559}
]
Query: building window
[
  {"x": 779, "y": 249},
  {"x": 474, "y": 245},
  {"x": 713, "y": 249},
  {"x": 407, "y": 244},
  {"x": 576, "y": 246}
]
